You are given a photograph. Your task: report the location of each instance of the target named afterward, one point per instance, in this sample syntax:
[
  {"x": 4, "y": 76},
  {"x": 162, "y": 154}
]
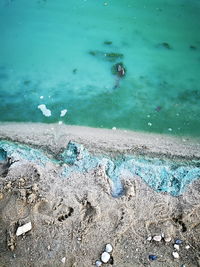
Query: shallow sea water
[{"x": 56, "y": 53}]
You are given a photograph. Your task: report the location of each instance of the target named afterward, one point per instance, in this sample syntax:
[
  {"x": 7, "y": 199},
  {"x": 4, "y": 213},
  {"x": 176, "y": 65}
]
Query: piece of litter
[
  {"x": 45, "y": 111},
  {"x": 149, "y": 238},
  {"x": 175, "y": 255},
  {"x": 63, "y": 260},
  {"x": 167, "y": 239},
  {"x": 157, "y": 238},
  {"x": 176, "y": 247},
  {"x": 98, "y": 263},
  {"x": 63, "y": 112},
  {"x": 60, "y": 122},
  {"x": 153, "y": 257},
  {"x": 170, "y": 129},
  {"x": 109, "y": 248},
  {"x": 114, "y": 128},
  {"x": 41, "y": 97},
  {"x": 105, "y": 257},
  {"x": 178, "y": 241},
  {"x": 187, "y": 247},
  {"x": 149, "y": 124},
  {"x": 23, "y": 229}
]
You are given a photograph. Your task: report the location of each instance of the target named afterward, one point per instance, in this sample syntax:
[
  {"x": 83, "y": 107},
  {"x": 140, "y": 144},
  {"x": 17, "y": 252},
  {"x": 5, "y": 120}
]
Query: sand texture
[{"x": 74, "y": 218}]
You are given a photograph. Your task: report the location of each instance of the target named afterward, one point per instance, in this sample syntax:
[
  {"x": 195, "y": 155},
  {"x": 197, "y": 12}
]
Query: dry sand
[{"x": 74, "y": 218}]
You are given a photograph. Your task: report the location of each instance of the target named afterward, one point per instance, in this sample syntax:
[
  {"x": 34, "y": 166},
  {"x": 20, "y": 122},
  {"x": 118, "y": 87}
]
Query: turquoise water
[
  {"x": 60, "y": 54},
  {"x": 160, "y": 175}
]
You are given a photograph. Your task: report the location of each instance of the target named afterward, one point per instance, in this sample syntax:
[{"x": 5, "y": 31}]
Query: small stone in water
[
  {"x": 153, "y": 257},
  {"x": 175, "y": 255},
  {"x": 176, "y": 247},
  {"x": 98, "y": 263},
  {"x": 105, "y": 257},
  {"x": 157, "y": 238},
  {"x": 178, "y": 241},
  {"x": 109, "y": 248}
]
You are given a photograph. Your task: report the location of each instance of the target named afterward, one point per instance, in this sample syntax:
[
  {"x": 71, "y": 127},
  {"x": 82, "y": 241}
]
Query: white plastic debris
[
  {"x": 168, "y": 239},
  {"x": 105, "y": 257},
  {"x": 157, "y": 238},
  {"x": 114, "y": 128},
  {"x": 176, "y": 246},
  {"x": 175, "y": 255},
  {"x": 63, "y": 260},
  {"x": 170, "y": 129},
  {"x": 63, "y": 112},
  {"x": 23, "y": 229},
  {"x": 45, "y": 111},
  {"x": 109, "y": 248},
  {"x": 187, "y": 247},
  {"x": 60, "y": 122},
  {"x": 149, "y": 124},
  {"x": 41, "y": 97},
  {"x": 98, "y": 263},
  {"x": 149, "y": 238}
]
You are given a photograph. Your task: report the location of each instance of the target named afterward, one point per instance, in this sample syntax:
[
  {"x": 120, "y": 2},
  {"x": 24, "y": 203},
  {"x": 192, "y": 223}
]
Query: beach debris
[
  {"x": 63, "y": 112},
  {"x": 170, "y": 129},
  {"x": 45, "y": 111},
  {"x": 63, "y": 260},
  {"x": 175, "y": 255},
  {"x": 114, "y": 128},
  {"x": 98, "y": 263},
  {"x": 23, "y": 229},
  {"x": 178, "y": 241},
  {"x": 187, "y": 247},
  {"x": 176, "y": 247},
  {"x": 41, "y": 97},
  {"x": 149, "y": 238},
  {"x": 109, "y": 248},
  {"x": 153, "y": 257},
  {"x": 118, "y": 69},
  {"x": 168, "y": 239},
  {"x": 157, "y": 238},
  {"x": 149, "y": 124},
  {"x": 105, "y": 257}
]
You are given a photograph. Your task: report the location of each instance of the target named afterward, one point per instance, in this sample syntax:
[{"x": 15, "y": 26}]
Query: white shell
[
  {"x": 109, "y": 248},
  {"x": 98, "y": 263},
  {"x": 63, "y": 259},
  {"x": 23, "y": 229},
  {"x": 157, "y": 238},
  {"x": 105, "y": 257},
  {"x": 176, "y": 246},
  {"x": 175, "y": 255},
  {"x": 149, "y": 238},
  {"x": 168, "y": 239}
]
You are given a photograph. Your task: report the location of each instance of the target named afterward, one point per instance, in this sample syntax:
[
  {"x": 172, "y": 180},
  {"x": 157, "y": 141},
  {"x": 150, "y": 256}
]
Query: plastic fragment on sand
[
  {"x": 175, "y": 255},
  {"x": 23, "y": 229},
  {"x": 105, "y": 257},
  {"x": 157, "y": 238}
]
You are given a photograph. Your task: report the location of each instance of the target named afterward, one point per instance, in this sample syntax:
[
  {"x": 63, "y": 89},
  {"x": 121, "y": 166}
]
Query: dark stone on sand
[
  {"x": 193, "y": 47},
  {"x": 108, "y": 43},
  {"x": 118, "y": 69}
]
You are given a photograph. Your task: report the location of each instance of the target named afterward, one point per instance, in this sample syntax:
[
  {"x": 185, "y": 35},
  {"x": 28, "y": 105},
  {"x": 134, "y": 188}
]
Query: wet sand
[{"x": 74, "y": 218}]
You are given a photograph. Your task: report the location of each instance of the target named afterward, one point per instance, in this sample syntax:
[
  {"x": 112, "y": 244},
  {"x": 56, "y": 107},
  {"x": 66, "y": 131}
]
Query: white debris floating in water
[
  {"x": 105, "y": 257},
  {"x": 109, "y": 248},
  {"x": 63, "y": 112},
  {"x": 45, "y": 111},
  {"x": 23, "y": 229}
]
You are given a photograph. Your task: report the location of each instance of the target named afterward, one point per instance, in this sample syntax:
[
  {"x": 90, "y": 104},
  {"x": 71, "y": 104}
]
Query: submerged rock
[
  {"x": 110, "y": 56},
  {"x": 119, "y": 69}
]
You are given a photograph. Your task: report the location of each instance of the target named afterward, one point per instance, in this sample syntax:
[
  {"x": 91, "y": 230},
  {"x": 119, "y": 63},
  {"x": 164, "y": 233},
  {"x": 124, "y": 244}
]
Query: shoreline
[{"x": 54, "y": 137}]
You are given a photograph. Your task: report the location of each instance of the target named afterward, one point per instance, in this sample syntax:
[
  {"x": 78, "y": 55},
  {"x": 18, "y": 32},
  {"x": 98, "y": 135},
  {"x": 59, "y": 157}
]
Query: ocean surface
[{"x": 58, "y": 63}]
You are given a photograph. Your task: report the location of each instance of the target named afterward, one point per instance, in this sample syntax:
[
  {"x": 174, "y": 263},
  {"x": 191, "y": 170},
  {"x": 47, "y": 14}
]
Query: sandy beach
[{"x": 59, "y": 179}]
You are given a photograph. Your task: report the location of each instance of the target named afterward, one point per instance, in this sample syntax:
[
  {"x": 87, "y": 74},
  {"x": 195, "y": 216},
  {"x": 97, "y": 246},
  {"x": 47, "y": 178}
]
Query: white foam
[{"x": 45, "y": 111}]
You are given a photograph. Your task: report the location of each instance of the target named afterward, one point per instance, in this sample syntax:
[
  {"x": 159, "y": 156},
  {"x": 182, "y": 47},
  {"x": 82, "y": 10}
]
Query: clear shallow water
[{"x": 53, "y": 53}]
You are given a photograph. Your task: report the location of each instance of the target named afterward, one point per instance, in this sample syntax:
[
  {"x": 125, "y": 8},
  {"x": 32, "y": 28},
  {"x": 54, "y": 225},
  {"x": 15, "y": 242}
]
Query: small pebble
[
  {"x": 178, "y": 241},
  {"x": 98, "y": 263},
  {"x": 175, "y": 255},
  {"x": 114, "y": 128},
  {"x": 149, "y": 238},
  {"x": 187, "y": 247},
  {"x": 149, "y": 124},
  {"x": 157, "y": 238},
  {"x": 167, "y": 239},
  {"x": 153, "y": 257},
  {"x": 23, "y": 229},
  {"x": 109, "y": 248},
  {"x": 105, "y": 257},
  {"x": 176, "y": 247},
  {"x": 63, "y": 260}
]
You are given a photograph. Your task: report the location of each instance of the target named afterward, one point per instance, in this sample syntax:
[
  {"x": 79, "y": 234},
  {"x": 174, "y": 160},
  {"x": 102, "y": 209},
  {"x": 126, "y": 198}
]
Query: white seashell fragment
[
  {"x": 175, "y": 255},
  {"x": 114, "y": 128},
  {"x": 176, "y": 246},
  {"x": 23, "y": 229},
  {"x": 157, "y": 238},
  {"x": 167, "y": 239},
  {"x": 63, "y": 112},
  {"x": 45, "y": 111},
  {"x": 149, "y": 238},
  {"x": 109, "y": 248},
  {"x": 105, "y": 257},
  {"x": 63, "y": 260},
  {"x": 98, "y": 263}
]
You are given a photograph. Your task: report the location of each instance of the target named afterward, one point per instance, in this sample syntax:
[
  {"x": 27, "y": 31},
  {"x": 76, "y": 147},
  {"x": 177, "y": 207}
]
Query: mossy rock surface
[{"x": 110, "y": 56}]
